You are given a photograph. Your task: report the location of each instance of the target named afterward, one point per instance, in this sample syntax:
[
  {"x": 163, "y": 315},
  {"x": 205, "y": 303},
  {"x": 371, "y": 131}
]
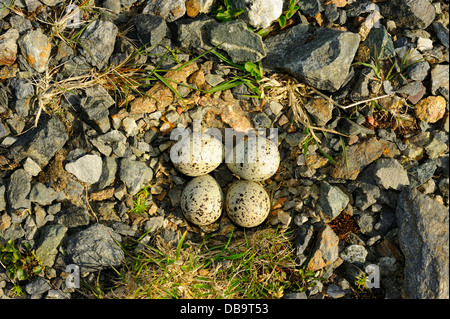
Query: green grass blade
[{"x": 166, "y": 83}]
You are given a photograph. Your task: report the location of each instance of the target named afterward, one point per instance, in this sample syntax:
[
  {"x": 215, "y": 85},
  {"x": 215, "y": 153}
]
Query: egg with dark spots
[
  {"x": 197, "y": 154},
  {"x": 254, "y": 159},
  {"x": 202, "y": 200},
  {"x": 247, "y": 203}
]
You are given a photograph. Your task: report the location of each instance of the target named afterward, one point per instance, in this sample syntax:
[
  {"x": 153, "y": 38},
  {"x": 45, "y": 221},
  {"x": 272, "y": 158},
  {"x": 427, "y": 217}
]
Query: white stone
[
  {"x": 259, "y": 13},
  {"x": 31, "y": 167},
  {"x": 424, "y": 44},
  {"x": 87, "y": 168}
]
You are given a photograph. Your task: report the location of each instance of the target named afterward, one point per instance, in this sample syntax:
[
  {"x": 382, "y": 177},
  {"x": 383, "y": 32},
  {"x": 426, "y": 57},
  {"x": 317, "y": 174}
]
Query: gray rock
[
  {"x": 112, "y": 5},
  {"x": 335, "y": 292},
  {"x": 15, "y": 231},
  {"x": 412, "y": 14},
  {"x": 241, "y": 44},
  {"x": 194, "y": 34},
  {"x": 424, "y": 240},
  {"x": 36, "y": 287},
  {"x": 418, "y": 71},
  {"x": 390, "y": 174},
  {"x": 261, "y": 120},
  {"x": 302, "y": 241},
  {"x": 134, "y": 174},
  {"x": 94, "y": 108},
  {"x": 331, "y": 12},
  {"x": 50, "y": 239},
  {"x": 95, "y": 248},
  {"x": 98, "y": 42},
  {"x": 441, "y": 32},
  {"x": 366, "y": 223},
  {"x": 154, "y": 223},
  {"x": 439, "y": 78},
  {"x": 87, "y": 168},
  {"x": 378, "y": 40},
  {"x": 259, "y": 13},
  {"x": 18, "y": 189},
  {"x": 213, "y": 79},
  {"x": 42, "y": 194},
  {"x": 4, "y": 131},
  {"x": 41, "y": 143},
  {"x": 109, "y": 171},
  {"x": 2, "y": 198},
  {"x": 31, "y": 167},
  {"x": 354, "y": 254},
  {"x": 22, "y": 88},
  {"x": 332, "y": 201},
  {"x": 323, "y": 62},
  {"x": 350, "y": 127},
  {"x": 151, "y": 29},
  {"x": 35, "y": 46},
  {"x": 279, "y": 47},
  {"x": 20, "y": 23},
  {"x": 170, "y": 10},
  {"x": 310, "y": 7},
  {"x": 73, "y": 217},
  {"x": 435, "y": 148},
  {"x": 421, "y": 174},
  {"x": 8, "y": 46}
]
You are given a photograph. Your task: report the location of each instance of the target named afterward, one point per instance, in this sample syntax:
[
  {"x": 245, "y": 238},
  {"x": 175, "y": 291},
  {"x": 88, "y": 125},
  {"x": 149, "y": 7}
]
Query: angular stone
[
  {"x": 424, "y": 240},
  {"x": 326, "y": 249},
  {"x": 150, "y": 29},
  {"x": 109, "y": 171},
  {"x": 73, "y": 217},
  {"x": 440, "y": 78},
  {"x": 95, "y": 106},
  {"x": 134, "y": 174},
  {"x": 8, "y": 47},
  {"x": 332, "y": 201},
  {"x": 321, "y": 110},
  {"x": 390, "y": 174},
  {"x": 170, "y": 10},
  {"x": 35, "y": 46},
  {"x": 354, "y": 254},
  {"x": 259, "y": 13},
  {"x": 310, "y": 7},
  {"x": 380, "y": 42},
  {"x": 358, "y": 156},
  {"x": 431, "y": 109},
  {"x": 324, "y": 62},
  {"x": 411, "y": 14},
  {"x": 98, "y": 42},
  {"x": 95, "y": 248},
  {"x": 441, "y": 32},
  {"x": 42, "y": 194},
  {"x": 241, "y": 44},
  {"x": 87, "y": 168},
  {"x": 18, "y": 189},
  {"x": 41, "y": 143},
  {"x": 194, "y": 34},
  {"x": 51, "y": 238}
]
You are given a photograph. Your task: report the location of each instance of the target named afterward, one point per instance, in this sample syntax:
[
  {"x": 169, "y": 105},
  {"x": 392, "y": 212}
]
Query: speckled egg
[
  {"x": 247, "y": 203},
  {"x": 254, "y": 159},
  {"x": 197, "y": 156},
  {"x": 202, "y": 200}
]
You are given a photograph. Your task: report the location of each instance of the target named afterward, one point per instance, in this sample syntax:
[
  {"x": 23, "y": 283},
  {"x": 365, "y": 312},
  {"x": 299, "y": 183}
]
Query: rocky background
[{"x": 78, "y": 141}]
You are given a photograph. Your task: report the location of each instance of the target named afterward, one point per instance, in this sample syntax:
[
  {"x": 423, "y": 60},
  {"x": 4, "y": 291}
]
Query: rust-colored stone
[
  {"x": 431, "y": 109},
  {"x": 358, "y": 156}
]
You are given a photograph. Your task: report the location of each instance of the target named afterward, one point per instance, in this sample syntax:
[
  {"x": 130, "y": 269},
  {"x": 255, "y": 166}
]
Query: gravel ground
[{"x": 358, "y": 91}]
